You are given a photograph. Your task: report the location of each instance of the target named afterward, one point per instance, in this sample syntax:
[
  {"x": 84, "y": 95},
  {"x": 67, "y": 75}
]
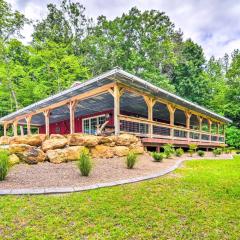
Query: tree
[
  {"x": 144, "y": 43},
  {"x": 189, "y": 78},
  {"x": 11, "y": 22}
]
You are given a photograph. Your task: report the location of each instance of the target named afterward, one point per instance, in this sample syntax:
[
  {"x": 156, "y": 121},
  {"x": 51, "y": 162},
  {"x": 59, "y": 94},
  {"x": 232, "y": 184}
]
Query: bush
[
  {"x": 217, "y": 151},
  {"x": 179, "y": 152},
  {"x": 168, "y": 150},
  {"x": 158, "y": 157},
  {"x": 192, "y": 149},
  {"x": 4, "y": 164},
  {"x": 232, "y": 136},
  {"x": 131, "y": 160},
  {"x": 201, "y": 153},
  {"x": 85, "y": 163}
]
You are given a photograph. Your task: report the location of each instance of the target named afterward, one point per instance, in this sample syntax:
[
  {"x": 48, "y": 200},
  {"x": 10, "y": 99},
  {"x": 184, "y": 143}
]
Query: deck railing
[{"x": 145, "y": 128}]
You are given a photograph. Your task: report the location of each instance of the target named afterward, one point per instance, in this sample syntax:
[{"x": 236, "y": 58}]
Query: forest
[{"x": 68, "y": 46}]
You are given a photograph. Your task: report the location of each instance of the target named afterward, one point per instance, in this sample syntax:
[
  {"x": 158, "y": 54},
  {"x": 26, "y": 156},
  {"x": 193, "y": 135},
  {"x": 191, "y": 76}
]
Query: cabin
[{"x": 118, "y": 102}]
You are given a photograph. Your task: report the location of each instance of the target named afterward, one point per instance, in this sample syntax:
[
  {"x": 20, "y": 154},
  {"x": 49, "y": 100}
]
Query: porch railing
[{"x": 145, "y": 128}]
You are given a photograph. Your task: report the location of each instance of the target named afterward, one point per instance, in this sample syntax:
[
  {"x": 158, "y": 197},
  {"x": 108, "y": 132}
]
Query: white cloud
[{"x": 214, "y": 24}]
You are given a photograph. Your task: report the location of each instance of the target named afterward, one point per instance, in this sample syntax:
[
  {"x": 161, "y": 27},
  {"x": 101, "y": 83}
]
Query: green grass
[{"x": 201, "y": 200}]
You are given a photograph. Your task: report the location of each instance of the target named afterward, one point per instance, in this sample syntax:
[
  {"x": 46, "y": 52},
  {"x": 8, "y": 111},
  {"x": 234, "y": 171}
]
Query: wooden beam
[
  {"x": 149, "y": 101},
  {"x": 28, "y": 120},
  {"x": 116, "y": 109},
  {"x": 5, "y": 126},
  {"x": 72, "y": 107},
  {"x": 15, "y": 128},
  {"x": 89, "y": 94},
  {"x": 47, "y": 115}
]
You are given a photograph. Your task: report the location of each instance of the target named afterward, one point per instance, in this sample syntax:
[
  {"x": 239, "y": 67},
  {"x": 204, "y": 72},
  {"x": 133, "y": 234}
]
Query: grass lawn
[{"x": 201, "y": 200}]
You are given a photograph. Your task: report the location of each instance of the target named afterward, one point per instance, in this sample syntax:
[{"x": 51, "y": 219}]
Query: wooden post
[
  {"x": 15, "y": 128},
  {"x": 200, "y": 126},
  {"x": 171, "y": 110},
  {"x": 150, "y": 103},
  {"x": 218, "y": 124},
  {"x": 28, "y": 120},
  {"x": 188, "y": 117},
  {"x": 116, "y": 96},
  {"x": 47, "y": 115},
  {"x": 5, "y": 125},
  {"x": 72, "y": 107}
]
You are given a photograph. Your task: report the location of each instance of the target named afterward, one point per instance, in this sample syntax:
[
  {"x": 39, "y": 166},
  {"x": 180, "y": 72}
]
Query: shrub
[
  {"x": 168, "y": 150},
  {"x": 131, "y": 160},
  {"x": 217, "y": 151},
  {"x": 201, "y": 153},
  {"x": 158, "y": 157},
  {"x": 85, "y": 163},
  {"x": 192, "y": 149},
  {"x": 4, "y": 164},
  {"x": 179, "y": 152}
]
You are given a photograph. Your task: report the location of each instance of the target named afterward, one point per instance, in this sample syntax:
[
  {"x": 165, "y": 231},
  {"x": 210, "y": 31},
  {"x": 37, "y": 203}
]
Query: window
[{"x": 90, "y": 124}]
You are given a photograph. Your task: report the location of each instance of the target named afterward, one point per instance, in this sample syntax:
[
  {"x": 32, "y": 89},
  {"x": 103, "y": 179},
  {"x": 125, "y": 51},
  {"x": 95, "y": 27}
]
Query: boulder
[
  {"x": 57, "y": 136},
  {"x": 13, "y": 159},
  {"x": 137, "y": 148},
  {"x": 4, "y": 140},
  {"x": 65, "y": 154},
  {"x": 108, "y": 141},
  {"x": 77, "y": 139},
  {"x": 102, "y": 151},
  {"x": 32, "y": 140},
  {"x": 126, "y": 139},
  {"x": 27, "y": 153},
  {"x": 54, "y": 143},
  {"x": 120, "y": 151}
]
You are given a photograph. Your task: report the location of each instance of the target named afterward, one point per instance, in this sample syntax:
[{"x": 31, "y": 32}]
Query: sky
[{"x": 214, "y": 24}]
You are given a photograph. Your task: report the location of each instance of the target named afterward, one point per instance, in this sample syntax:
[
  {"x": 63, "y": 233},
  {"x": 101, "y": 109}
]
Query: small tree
[
  {"x": 168, "y": 150},
  {"x": 4, "y": 164},
  {"x": 85, "y": 163},
  {"x": 192, "y": 149},
  {"x": 131, "y": 160}
]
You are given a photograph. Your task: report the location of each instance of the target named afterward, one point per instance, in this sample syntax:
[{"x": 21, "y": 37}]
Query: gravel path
[{"x": 47, "y": 174}]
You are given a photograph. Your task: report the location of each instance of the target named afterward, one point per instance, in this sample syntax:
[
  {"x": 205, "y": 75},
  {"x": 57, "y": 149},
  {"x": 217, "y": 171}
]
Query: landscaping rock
[
  {"x": 13, "y": 159},
  {"x": 27, "y": 153},
  {"x": 4, "y": 140},
  {"x": 77, "y": 139},
  {"x": 108, "y": 141},
  {"x": 102, "y": 151},
  {"x": 120, "y": 151},
  {"x": 32, "y": 140},
  {"x": 66, "y": 154},
  {"x": 126, "y": 140},
  {"x": 57, "y": 136},
  {"x": 137, "y": 148},
  {"x": 54, "y": 143}
]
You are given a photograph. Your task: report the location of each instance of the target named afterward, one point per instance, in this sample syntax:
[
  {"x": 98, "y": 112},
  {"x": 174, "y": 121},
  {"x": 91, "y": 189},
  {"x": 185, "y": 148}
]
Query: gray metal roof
[{"x": 118, "y": 75}]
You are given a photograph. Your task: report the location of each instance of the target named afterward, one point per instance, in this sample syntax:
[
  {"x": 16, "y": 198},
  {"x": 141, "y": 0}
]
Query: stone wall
[{"x": 58, "y": 148}]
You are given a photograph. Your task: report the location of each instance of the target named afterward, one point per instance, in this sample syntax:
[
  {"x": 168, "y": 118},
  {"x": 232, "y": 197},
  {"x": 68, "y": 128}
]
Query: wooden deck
[{"x": 157, "y": 142}]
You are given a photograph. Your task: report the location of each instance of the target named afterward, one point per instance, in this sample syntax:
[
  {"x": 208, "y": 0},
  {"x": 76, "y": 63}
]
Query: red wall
[{"x": 64, "y": 126}]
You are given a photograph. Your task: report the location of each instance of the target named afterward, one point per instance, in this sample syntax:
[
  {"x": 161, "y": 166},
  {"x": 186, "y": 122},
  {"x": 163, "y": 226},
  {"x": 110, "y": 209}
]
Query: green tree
[
  {"x": 144, "y": 43},
  {"x": 189, "y": 78},
  {"x": 11, "y": 22}
]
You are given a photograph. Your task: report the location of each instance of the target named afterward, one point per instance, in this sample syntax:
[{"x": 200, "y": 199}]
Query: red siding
[{"x": 63, "y": 127}]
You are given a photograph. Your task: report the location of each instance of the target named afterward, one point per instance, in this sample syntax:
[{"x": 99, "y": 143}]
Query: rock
[
  {"x": 102, "y": 151},
  {"x": 126, "y": 139},
  {"x": 13, "y": 159},
  {"x": 108, "y": 141},
  {"x": 32, "y": 140},
  {"x": 137, "y": 148},
  {"x": 54, "y": 143},
  {"x": 4, "y": 140},
  {"x": 120, "y": 151},
  {"x": 77, "y": 139},
  {"x": 66, "y": 154},
  {"x": 27, "y": 153},
  {"x": 57, "y": 136}
]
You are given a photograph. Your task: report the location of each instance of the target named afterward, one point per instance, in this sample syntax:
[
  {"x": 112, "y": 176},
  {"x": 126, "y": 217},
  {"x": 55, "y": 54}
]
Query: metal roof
[{"x": 118, "y": 75}]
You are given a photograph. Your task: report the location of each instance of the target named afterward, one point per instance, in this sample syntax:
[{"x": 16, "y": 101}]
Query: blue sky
[{"x": 214, "y": 24}]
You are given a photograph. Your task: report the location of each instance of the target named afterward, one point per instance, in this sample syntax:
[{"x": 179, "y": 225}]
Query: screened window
[{"x": 90, "y": 124}]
